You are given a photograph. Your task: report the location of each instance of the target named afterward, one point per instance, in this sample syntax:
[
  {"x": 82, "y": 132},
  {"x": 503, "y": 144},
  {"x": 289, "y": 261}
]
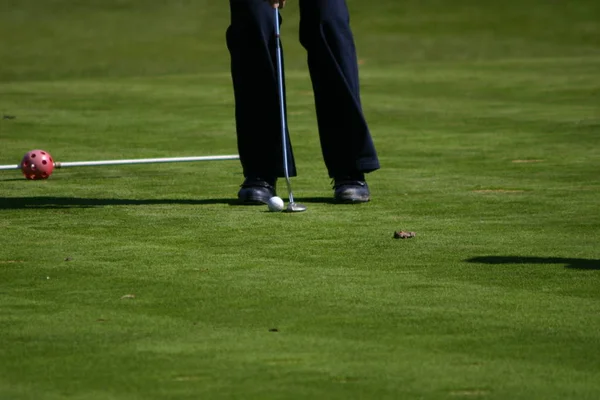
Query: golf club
[{"x": 292, "y": 205}]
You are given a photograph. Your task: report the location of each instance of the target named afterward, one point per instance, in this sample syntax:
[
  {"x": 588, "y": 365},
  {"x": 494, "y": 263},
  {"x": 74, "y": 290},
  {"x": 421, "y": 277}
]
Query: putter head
[{"x": 295, "y": 207}]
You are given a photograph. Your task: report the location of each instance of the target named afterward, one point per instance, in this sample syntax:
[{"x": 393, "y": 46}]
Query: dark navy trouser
[{"x": 325, "y": 34}]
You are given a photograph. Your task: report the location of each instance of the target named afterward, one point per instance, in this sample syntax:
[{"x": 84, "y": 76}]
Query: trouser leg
[
  {"x": 345, "y": 137},
  {"x": 252, "y": 46}
]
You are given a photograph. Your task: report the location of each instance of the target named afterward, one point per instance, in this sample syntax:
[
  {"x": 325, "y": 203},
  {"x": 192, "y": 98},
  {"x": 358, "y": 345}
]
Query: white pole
[
  {"x": 132, "y": 161},
  {"x": 143, "y": 161}
]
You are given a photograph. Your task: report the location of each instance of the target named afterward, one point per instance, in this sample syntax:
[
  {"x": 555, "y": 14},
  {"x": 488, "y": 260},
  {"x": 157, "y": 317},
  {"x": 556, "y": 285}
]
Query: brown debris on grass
[
  {"x": 404, "y": 235},
  {"x": 498, "y": 191},
  {"x": 527, "y": 161}
]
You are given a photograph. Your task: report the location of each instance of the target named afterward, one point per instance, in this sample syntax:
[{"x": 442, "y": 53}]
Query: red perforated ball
[{"x": 37, "y": 164}]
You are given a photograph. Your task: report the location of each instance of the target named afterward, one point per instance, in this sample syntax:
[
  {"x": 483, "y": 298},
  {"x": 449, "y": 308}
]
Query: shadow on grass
[
  {"x": 78, "y": 202},
  {"x": 572, "y": 263},
  {"x": 7, "y": 203},
  {"x": 11, "y": 179},
  {"x": 323, "y": 200}
]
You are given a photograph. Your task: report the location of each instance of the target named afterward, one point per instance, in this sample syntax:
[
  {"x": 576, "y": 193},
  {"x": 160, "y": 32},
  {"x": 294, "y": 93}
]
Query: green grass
[{"x": 487, "y": 121}]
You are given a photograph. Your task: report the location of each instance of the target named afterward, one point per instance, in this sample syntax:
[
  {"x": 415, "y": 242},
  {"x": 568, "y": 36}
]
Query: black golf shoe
[
  {"x": 351, "y": 189},
  {"x": 256, "y": 190}
]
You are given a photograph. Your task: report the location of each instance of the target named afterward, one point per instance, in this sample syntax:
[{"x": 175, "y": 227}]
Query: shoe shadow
[
  {"x": 7, "y": 203},
  {"x": 571, "y": 263},
  {"x": 324, "y": 200}
]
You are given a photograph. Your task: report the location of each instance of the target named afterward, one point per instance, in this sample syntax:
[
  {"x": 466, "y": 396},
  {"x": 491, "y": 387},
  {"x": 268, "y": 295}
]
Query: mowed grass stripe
[{"x": 148, "y": 282}]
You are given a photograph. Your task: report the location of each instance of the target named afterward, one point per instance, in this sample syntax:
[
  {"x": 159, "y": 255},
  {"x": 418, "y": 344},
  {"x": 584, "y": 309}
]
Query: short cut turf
[{"x": 148, "y": 282}]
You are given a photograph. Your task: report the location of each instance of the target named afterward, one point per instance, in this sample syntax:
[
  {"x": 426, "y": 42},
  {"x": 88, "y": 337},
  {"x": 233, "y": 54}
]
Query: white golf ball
[{"x": 275, "y": 204}]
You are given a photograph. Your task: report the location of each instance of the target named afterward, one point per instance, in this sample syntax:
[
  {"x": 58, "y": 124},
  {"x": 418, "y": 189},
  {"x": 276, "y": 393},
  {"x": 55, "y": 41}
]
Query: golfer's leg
[
  {"x": 251, "y": 43},
  {"x": 345, "y": 138}
]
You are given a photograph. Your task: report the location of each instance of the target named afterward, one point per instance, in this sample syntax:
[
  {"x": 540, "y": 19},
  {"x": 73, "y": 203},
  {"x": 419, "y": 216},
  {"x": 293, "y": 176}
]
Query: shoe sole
[
  {"x": 250, "y": 200},
  {"x": 352, "y": 200}
]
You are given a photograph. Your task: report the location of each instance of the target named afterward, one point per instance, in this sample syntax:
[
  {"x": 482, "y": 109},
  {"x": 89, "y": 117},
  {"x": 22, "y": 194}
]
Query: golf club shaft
[
  {"x": 282, "y": 107},
  {"x": 132, "y": 161}
]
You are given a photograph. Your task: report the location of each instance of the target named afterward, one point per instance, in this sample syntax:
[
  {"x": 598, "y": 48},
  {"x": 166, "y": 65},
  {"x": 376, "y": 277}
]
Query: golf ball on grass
[{"x": 275, "y": 204}]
